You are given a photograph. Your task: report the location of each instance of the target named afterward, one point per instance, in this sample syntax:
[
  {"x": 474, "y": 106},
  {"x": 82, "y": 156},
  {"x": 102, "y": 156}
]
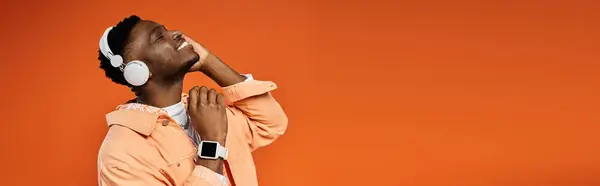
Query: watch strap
[{"x": 222, "y": 152}]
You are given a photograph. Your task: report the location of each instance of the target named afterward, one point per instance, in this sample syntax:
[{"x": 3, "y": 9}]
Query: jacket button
[{"x": 165, "y": 122}]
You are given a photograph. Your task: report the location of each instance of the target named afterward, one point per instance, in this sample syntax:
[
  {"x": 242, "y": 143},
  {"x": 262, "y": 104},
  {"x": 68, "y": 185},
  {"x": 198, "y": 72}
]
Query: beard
[
  {"x": 180, "y": 72},
  {"x": 189, "y": 63},
  {"x": 186, "y": 66}
]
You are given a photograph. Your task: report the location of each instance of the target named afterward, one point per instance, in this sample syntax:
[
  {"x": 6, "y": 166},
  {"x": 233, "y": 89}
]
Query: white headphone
[{"x": 135, "y": 72}]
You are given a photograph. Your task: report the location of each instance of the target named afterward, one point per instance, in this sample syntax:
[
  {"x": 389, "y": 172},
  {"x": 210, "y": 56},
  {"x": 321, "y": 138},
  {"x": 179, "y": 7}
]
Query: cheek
[
  {"x": 162, "y": 59},
  {"x": 156, "y": 63},
  {"x": 159, "y": 55}
]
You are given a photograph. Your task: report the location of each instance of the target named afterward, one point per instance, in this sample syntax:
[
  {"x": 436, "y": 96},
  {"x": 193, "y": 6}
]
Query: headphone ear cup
[
  {"x": 116, "y": 61},
  {"x": 136, "y": 73}
]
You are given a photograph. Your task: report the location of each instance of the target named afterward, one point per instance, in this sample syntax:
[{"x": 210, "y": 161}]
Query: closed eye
[{"x": 159, "y": 38}]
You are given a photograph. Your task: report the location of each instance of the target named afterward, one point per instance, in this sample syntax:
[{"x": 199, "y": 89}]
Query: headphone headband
[
  {"x": 135, "y": 72},
  {"x": 115, "y": 60}
]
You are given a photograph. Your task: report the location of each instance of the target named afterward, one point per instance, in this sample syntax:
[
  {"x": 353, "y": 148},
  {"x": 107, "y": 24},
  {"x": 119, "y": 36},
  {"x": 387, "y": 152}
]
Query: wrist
[
  {"x": 221, "y": 139},
  {"x": 212, "y": 150},
  {"x": 214, "y": 165},
  {"x": 202, "y": 59},
  {"x": 207, "y": 63}
]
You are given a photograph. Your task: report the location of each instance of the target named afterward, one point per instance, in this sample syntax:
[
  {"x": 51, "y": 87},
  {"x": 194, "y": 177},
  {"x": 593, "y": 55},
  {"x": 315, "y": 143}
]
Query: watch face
[{"x": 209, "y": 149}]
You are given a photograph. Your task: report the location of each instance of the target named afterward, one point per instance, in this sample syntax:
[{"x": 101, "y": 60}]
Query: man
[{"x": 165, "y": 137}]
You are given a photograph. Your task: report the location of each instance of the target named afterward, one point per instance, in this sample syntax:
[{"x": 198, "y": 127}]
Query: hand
[
  {"x": 202, "y": 52},
  {"x": 207, "y": 112}
]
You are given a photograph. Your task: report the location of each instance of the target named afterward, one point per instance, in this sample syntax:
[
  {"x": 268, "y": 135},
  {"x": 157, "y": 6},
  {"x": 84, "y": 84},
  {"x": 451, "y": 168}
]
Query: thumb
[{"x": 189, "y": 40}]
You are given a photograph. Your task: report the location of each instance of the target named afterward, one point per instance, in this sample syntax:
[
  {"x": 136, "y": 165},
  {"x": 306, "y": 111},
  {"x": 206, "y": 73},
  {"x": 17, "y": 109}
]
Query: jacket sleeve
[
  {"x": 255, "y": 111},
  {"x": 202, "y": 176},
  {"x": 129, "y": 176}
]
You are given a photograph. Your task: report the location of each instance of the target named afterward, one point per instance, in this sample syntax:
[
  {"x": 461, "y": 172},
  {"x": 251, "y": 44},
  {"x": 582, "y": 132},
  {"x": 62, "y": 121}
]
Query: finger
[
  {"x": 189, "y": 40},
  {"x": 220, "y": 99},
  {"x": 212, "y": 96},
  {"x": 193, "y": 97},
  {"x": 202, "y": 95}
]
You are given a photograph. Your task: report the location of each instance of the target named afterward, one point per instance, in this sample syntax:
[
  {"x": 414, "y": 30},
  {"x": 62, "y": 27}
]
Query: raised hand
[{"x": 207, "y": 112}]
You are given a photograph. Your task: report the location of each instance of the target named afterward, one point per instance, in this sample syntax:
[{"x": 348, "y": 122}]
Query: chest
[{"x": 176, "y": 148}]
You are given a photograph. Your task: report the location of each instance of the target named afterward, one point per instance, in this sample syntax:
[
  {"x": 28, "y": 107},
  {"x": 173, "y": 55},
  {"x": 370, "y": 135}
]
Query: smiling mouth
[{"x": 184, "y": 44}]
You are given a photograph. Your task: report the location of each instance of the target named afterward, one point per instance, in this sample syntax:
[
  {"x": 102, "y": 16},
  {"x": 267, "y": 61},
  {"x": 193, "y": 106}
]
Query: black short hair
[{"x": 118, "y": 39}]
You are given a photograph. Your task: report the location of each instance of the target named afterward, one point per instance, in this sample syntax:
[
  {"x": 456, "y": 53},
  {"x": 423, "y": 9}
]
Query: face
[{"x": 165, "y": 52}]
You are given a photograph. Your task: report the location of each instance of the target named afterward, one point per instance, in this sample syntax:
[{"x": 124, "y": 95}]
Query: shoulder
[{"x": 125, "y": 147}]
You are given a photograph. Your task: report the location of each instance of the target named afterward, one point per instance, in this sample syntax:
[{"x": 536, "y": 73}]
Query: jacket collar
[{"x": 138, "y": 117}]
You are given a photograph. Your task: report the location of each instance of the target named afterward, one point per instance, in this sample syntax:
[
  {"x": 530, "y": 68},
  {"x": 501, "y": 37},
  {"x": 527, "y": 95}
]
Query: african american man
[{"x": 167, "y": 137}]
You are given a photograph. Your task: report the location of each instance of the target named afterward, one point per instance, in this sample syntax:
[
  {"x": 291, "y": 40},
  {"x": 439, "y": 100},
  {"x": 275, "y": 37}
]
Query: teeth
[{"x": 183, "y": 45}]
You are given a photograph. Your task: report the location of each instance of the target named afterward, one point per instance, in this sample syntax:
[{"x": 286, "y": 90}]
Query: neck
[{"x": 161, "y": 95}]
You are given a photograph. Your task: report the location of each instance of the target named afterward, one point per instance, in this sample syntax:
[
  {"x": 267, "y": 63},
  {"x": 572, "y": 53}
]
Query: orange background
[{"x": 378, "y": 93}]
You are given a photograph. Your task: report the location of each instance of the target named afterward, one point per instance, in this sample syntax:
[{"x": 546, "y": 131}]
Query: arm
[
  {"x": 214, "y": 169},
  {"x": 253, "y": 108},
  {"x": 129, "y": 176},
  {"x": 207, "y": 112},
  {"x": 260, "y": 117},
  {"x": 220, "y": 72}
]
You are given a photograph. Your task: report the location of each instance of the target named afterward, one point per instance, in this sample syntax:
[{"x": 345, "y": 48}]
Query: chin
[
  {"x": 187, "y": 64},
  {"x": 194, "y": 59}
]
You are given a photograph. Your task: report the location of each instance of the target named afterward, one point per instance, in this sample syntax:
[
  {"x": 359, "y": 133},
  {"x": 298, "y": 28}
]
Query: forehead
[
  {"x": 143, "y": 29},
  {"x": 139, "y": 38}
]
